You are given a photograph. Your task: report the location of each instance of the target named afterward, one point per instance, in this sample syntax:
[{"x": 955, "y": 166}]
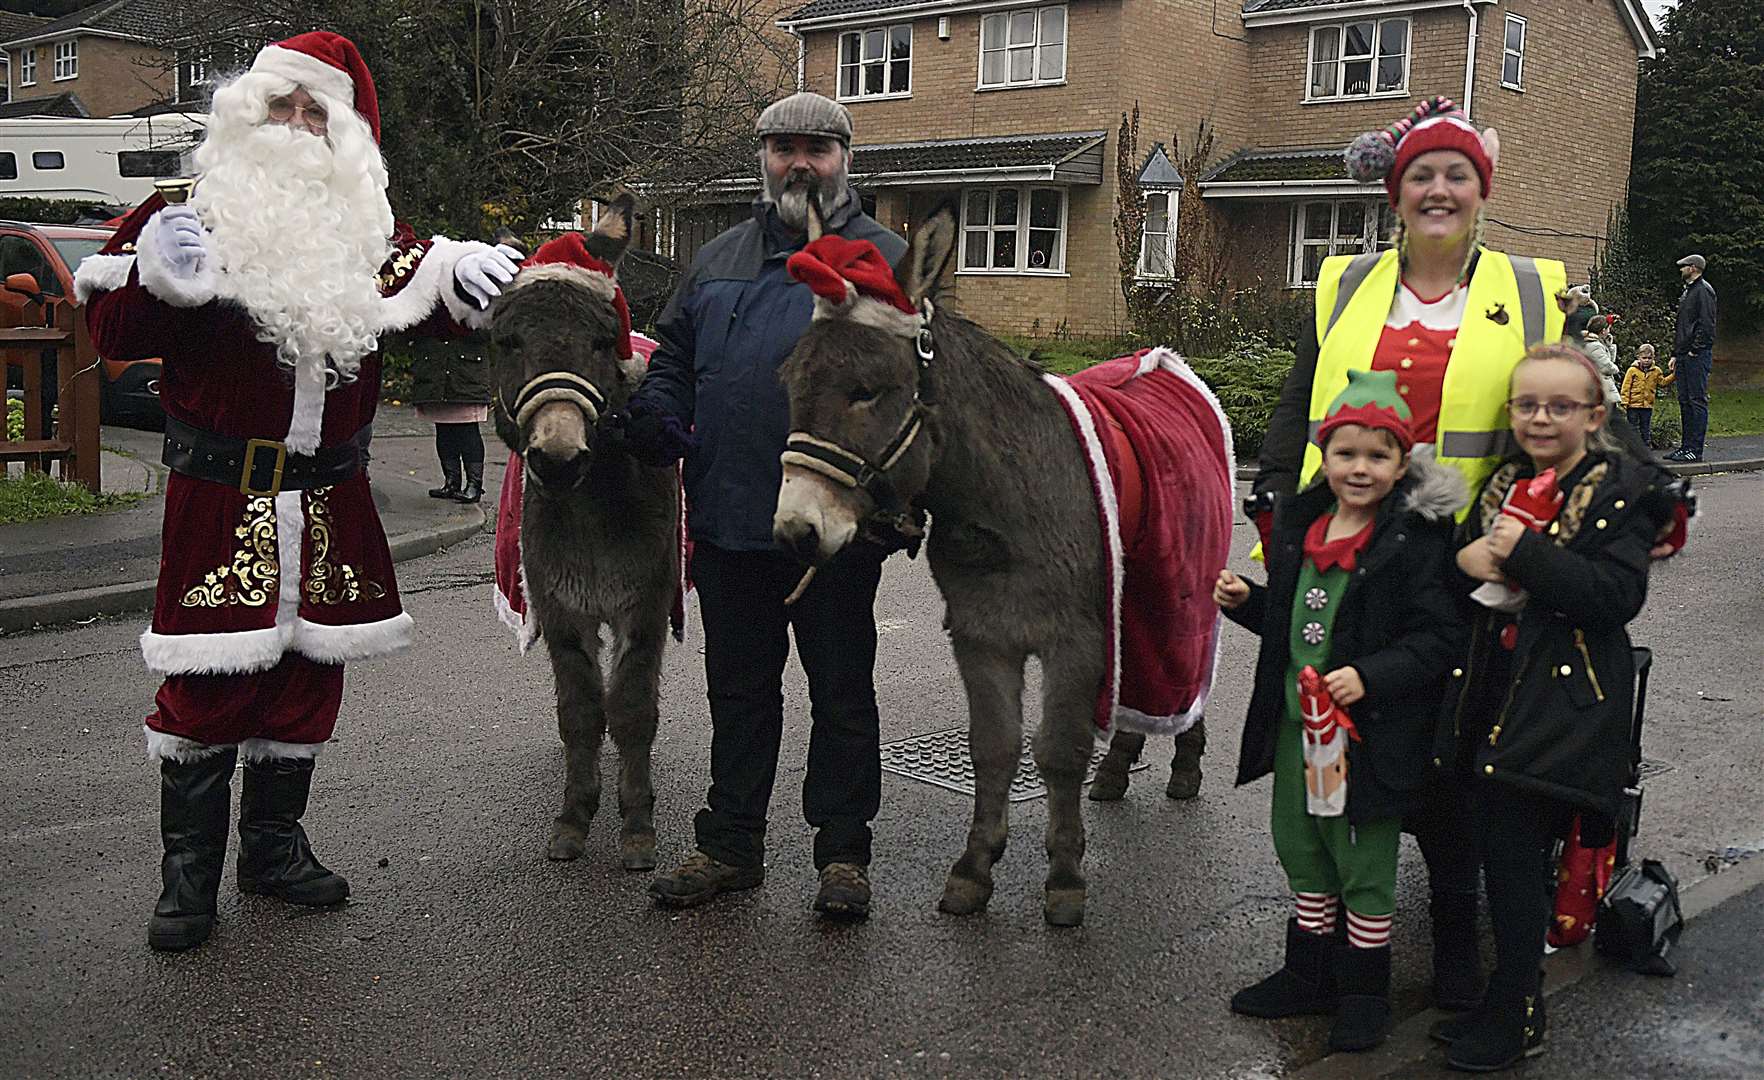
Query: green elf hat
[{"x": 1369, "y": 400}]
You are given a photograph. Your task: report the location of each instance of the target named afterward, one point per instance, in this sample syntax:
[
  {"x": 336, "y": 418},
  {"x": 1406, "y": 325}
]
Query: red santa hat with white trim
[{"x": 321, "y": 60}]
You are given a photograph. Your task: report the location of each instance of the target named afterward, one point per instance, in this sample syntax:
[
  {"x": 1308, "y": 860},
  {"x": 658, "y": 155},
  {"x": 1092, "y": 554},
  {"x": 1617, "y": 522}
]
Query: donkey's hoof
[
  {"x": 1063, "y": 907},
  {"x": 964, "y": 896},
  {"x": 637, "y": 851},
  {"x": 565, "y": 845}
]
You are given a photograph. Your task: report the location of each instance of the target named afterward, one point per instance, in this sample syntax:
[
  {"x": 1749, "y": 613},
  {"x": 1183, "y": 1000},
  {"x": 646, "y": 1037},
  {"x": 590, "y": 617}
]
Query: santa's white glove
[
  {"x": 480, "y": 275},
  {"x": 181, "y": 242}
]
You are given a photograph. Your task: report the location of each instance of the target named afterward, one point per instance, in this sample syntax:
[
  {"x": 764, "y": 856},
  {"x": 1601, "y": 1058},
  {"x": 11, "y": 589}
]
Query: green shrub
[
  {"x": 55, "y": 211},
  {"x": 395, "y": 376},
  {"x": 34, "y": 496}
]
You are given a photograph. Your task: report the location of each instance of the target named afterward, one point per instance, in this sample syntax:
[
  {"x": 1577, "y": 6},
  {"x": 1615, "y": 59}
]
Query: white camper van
[{"x": 112, "y": 160}]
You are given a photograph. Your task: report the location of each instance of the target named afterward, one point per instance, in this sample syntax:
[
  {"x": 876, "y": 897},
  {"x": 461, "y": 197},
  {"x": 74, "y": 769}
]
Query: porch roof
[
  {"x": 1072, "y": 157},
  {"x": 1282, "y": 172}
]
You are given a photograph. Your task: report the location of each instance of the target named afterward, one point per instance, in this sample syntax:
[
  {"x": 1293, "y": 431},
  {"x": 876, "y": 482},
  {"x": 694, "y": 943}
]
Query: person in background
[
  {"x": 1642, "y": 384},
  {"x": 1595, "y": 341},
  {"x": 1693, "y": 357},
  {"x": 450, "y": 387}
]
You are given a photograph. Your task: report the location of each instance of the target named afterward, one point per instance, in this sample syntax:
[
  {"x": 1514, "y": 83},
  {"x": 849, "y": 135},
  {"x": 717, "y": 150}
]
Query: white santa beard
[{"x": 298, "y": 243}]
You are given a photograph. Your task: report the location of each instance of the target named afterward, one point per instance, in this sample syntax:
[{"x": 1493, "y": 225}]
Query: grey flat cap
[
  {"x": 804, "y": 113},
  {"x": 1693, "y": 260}
]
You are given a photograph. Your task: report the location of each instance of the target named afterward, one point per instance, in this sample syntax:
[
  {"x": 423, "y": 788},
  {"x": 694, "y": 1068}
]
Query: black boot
[
  {"x": 1457, "y": 965},
  {"x": 1511, "y": 1029},
  {"x": 274, "y": 858},
  {"x": 1303, "y": 986},
  {"x": 1110, "y": 784},
  {"x": 1185, "y": 767},
  {"x": 474, "y": 483},
  {"x": 450, "y": 488},
  {"x": 195, "y": 799},
  {"x": 1362, "y": 1012}
]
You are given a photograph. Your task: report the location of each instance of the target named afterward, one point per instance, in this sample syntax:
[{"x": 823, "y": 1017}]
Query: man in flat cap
[
  {"x": 712, "y": 395},
  {"x": 1693, "y": 356}
]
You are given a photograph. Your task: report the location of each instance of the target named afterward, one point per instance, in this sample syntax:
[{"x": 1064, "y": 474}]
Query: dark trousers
[
  {"x": 1442, "y": 827},
  {"x": 746, "y": 642},
  {"x": 1516, "y": 834},
  {"x": 1693, "y": 398},
  {"x": 1642, "y": 420},
  {"x": 458, "y": 443}
]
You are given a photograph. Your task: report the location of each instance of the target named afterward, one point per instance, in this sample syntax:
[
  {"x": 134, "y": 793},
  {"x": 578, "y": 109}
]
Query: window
[
  {"x": 27, "y": 66},
  {"x": 1022, "y": 48},
  {"x": 1513, "y": 55},
  {"x": 46, "y": 160},
  {"x": 67, "y": 60},
  {"x": 877, "y": 62},
  {"x": 1014, "y": 230},
  {"x": 151, "y": 163},
  {"x": 192, "y": 74},
  {"x": 1157, "y": 246},
  {"x": 1342, "y": 227},
  {"x": 1359, "y": 59},
  {"x": 8, "y": 166}
]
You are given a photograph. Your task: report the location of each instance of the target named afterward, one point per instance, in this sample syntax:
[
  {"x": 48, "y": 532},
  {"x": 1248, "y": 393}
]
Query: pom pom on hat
[
  {"x": 1370, "y": 400},
  {"x": 1437, "y": 124},
  {"x": 1370, "y": 156}
]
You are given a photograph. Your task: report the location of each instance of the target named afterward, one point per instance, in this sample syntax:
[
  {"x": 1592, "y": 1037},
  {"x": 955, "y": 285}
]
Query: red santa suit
[{"x": 267, "y": 583}]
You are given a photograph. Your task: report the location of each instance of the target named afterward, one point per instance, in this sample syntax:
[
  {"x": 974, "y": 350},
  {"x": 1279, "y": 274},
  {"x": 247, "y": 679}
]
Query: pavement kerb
[
  {"x": 29, "y": 612},
  {"x": 1408, "y": 1042}
]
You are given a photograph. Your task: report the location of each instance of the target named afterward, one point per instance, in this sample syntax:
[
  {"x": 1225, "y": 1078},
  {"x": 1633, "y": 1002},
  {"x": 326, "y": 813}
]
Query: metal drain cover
[
  {"x": 941, "y": 758},
  {"x": 1650, "y": 767}
]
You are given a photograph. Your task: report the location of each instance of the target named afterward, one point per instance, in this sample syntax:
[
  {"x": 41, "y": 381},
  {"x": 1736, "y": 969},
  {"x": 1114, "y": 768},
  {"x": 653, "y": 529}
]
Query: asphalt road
[{"x": 466, "y": 953}]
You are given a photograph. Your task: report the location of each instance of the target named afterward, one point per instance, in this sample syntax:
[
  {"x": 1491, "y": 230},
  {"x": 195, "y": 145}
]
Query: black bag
[{"x": 1640, "y": 918}]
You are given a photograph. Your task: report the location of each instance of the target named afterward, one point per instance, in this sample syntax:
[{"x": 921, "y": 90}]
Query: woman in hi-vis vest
[{"x": 1452, "y": 319}]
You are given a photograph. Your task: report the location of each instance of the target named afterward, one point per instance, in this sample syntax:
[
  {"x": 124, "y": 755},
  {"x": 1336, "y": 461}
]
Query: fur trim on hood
[{"x": 1431, "y": 490}]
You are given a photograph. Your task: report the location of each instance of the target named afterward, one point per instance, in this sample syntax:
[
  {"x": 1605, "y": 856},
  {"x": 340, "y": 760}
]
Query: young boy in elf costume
[{"x": 1358, "y": 631}]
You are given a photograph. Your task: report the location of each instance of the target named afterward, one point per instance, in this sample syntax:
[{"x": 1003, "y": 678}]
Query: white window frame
[
  {"x": 1341, "y": 60},
  {"x": 1373, "y": 235},
  {"x": 1035, "y": 49},
  {"x": 27, "y": 66},
  {"x": 1172, "y": 200},
  {"x": 1518, "y": 54},
  {"x": 1024, "y": 194},
  {"x": 67, "y": 60},
  {"x": 887, "y": 62},
  {"x": 193, "y": 68}
]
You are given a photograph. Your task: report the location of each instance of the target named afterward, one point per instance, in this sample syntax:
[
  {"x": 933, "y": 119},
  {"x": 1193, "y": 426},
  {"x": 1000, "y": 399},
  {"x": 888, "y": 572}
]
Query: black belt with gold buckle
[{"x": 260, "y": 466}]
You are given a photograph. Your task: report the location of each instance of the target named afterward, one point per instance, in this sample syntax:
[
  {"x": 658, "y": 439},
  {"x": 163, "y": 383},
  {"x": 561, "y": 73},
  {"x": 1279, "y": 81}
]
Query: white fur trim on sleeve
[
  {"x": 157, "y": 277},
  {"x": 338, "y": 644},
  {"x": 237, "y": 653},
  {"x": 101, "y": 273},
  {"x": 431, "y": 284}
]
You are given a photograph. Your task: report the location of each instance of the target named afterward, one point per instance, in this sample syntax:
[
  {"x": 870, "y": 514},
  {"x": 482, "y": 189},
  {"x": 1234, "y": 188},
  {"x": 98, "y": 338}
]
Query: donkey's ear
[
  {"x": 929, "y": 254},
  {"x": 612, "y": 232}
]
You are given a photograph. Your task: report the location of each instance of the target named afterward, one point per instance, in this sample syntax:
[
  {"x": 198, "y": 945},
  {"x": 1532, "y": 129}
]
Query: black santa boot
[
  {"x": 1110, "y": 784},
  {"x": 1303, "y": 986},
  {"x": 1362, "y": 1012},
  {"x": 450, "y": 477},
  {"x": 274, "y": 857},
  {"x": 195, "y": 800},
  {"x": 1185, "y": 767},
  {"x": 474, "y": 483},
  {"x": 1508, "y": 1028}
]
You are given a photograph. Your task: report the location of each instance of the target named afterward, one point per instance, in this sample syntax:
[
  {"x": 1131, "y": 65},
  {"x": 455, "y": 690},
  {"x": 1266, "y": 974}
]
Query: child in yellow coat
[{"x": 1642, "y": 383}]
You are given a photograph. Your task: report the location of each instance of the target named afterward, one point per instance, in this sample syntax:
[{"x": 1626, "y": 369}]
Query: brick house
[
  {"x": 1012, "y": 113},
  {"x": 108, "y": 56}
]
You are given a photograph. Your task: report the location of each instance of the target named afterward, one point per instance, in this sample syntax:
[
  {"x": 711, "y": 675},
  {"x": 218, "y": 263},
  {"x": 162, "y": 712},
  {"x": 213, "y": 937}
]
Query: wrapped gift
[{"x": 1327, "y": 728}]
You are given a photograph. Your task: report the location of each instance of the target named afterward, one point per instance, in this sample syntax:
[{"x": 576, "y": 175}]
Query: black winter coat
[
  {"x": 454, "y": 371},
  {"x": 1695, "y": 329},
  {"x": 1399, "y": 625},
  {"x": 1562, "y": 725}
]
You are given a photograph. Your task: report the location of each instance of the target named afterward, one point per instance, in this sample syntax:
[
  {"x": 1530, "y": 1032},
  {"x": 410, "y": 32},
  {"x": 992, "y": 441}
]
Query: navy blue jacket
[{"x": 729, "y": 327}]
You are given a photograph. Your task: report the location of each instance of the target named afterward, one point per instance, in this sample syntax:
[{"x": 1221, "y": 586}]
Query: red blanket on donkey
[
  {"x": 509, "y": 591},
  {"x": 1161, "y": 461}
]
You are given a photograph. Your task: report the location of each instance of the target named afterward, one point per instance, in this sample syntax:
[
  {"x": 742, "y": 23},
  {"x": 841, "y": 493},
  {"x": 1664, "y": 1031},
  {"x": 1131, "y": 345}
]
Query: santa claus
[{"x": 265, "y": 296}]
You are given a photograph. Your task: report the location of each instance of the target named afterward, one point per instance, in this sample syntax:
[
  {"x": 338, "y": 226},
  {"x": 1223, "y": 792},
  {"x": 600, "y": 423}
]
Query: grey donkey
[
  {"x": 598, "y": 530},
  {"x": 1014, "y": 544}
]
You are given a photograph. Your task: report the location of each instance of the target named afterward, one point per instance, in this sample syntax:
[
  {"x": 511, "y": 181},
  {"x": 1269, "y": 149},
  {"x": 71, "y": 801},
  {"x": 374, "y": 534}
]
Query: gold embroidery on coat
[
  {"x": 251, "y": 578},
  {"x": 399, "y": 266},
  {"x": 329, "y": 581}
]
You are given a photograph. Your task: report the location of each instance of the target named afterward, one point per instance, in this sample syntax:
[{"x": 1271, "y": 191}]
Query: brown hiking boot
[
  {"x": 1110, "y": 784},
  {"x": 1185, "y": 767},
  {"x": 700, "y": 878},
  {"x": 845, "y": 891}
]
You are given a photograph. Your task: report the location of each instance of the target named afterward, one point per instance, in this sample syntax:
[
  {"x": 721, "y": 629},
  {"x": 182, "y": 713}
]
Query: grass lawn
[{"x": 34, "y": 496}]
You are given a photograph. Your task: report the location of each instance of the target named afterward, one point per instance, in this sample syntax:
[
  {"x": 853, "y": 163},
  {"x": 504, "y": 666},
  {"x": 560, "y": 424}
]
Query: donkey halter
[
  {"x": 554, "y": 386},
  {"x": 853, "y": 470}
]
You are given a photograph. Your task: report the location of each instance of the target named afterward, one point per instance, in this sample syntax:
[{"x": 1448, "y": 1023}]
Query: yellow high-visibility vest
[{"x": 1512, "y": 305}]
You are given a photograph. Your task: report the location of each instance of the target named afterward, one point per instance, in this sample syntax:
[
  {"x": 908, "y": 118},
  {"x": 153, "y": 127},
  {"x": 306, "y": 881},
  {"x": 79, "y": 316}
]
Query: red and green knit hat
[
  {"x": 1433, "y": 125},
  {"x": 1370, "y": 400}
]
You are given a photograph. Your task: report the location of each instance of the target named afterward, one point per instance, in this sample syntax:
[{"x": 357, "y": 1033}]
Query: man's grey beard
[{"x": 792, "y": 199}]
